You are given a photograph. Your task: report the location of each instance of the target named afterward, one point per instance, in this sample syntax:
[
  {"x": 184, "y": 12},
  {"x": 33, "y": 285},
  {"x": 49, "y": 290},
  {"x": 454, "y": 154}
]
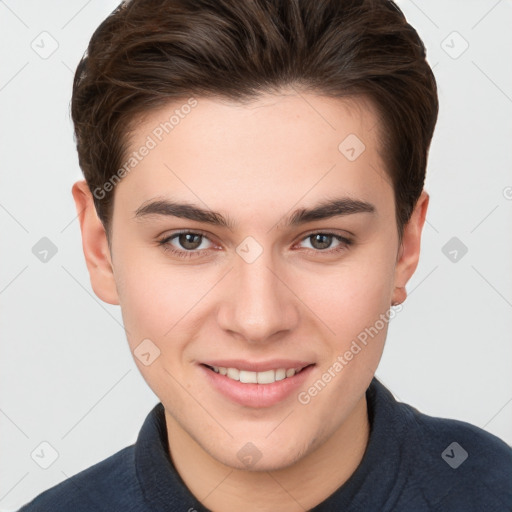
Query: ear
[
  {"x": 95, "y": 245},
  {"x": 409, "y": 251}
]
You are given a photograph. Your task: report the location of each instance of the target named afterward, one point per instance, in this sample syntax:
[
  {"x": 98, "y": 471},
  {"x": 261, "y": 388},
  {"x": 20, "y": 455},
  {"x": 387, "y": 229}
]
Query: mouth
[
  {"x": 256, "y": 385},
  {"x": 252, "y": 377}
]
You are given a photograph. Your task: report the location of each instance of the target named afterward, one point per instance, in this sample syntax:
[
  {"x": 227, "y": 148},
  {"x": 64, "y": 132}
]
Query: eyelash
[{"x": 164, "y": 243}]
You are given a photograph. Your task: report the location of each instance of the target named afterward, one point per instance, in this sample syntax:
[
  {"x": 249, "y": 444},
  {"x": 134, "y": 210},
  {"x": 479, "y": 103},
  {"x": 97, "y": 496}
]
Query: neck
[{"x": 298, "y": 487}]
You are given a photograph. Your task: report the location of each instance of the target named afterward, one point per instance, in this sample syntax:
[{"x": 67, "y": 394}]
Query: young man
[{"x": 254, "y": 203}]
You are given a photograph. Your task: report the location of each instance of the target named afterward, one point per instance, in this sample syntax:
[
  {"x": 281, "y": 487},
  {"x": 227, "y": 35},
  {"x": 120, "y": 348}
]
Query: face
[{"x": 261, "y": 286}]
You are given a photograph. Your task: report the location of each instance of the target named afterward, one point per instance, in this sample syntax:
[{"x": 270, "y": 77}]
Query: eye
[
  {"x": 322, "y": 241},
  {"x": 189, "y": 241}
]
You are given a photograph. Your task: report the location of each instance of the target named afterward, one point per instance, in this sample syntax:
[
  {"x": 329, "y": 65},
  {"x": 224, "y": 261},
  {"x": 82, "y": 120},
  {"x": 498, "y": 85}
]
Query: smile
[
  {"x": 256, "y": 385},
  {"x": 248, "y": 377}
]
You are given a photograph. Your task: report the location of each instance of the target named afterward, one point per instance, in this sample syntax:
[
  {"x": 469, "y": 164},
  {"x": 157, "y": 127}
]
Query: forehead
[{"x": 276, "y": 149}]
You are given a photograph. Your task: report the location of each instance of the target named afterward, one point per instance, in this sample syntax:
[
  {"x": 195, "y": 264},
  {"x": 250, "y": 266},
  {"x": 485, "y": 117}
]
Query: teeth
[
  {"x": 232, "y": 373},
  {"x": 266, "y": 377},
  {"x": 248, "y": 377},
  {"x": 280, "y": 374}
]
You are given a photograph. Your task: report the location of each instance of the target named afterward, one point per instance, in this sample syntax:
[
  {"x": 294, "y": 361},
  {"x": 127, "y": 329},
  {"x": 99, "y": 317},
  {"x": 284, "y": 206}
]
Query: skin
[{"x": 256, "y": 163}]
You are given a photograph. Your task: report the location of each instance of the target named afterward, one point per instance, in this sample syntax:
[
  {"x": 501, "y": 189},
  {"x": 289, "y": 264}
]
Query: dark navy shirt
[{"x": 413, "y": 462}]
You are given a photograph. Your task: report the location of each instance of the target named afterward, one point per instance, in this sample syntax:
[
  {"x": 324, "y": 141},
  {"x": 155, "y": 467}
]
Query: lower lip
[{"x": 256, "y": 395}]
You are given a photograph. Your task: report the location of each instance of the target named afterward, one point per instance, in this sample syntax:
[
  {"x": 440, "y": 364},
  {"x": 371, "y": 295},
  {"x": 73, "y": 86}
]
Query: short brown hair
[{"x": 147, "y": 53}]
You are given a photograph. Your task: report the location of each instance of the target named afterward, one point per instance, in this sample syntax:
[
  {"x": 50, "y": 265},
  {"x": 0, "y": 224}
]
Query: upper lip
[{"x": 258, "y": 366}]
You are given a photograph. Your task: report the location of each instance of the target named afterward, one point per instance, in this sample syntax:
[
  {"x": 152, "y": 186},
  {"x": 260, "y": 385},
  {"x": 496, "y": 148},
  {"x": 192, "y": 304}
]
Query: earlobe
[
  {"x": 95, "y": 245},
  {"x": 409, "y": 251}
]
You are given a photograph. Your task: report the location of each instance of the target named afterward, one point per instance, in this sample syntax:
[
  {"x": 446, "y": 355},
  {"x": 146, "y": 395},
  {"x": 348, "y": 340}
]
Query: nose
[{"x": 259, "y": 305}]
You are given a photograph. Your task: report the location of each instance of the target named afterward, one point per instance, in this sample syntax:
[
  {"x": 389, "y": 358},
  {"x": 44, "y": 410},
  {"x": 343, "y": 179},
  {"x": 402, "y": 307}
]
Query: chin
[{"x": 260, "y": 455}]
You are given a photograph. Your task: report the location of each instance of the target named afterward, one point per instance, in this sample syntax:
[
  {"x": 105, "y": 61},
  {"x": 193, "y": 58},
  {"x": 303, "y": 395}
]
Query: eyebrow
[{"x": 325, "y": 210}]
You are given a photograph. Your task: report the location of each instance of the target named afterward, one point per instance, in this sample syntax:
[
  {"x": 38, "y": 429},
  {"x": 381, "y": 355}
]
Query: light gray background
[{"x": 66, "y": 374}]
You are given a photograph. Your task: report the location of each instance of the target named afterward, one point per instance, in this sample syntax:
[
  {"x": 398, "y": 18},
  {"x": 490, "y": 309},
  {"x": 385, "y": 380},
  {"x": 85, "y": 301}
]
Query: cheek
[
  {"x": 353, "y": 294},
  {"x": 353, "y": 303},
  {"x": 154, "y": 311},
  {"x": 152, "y": 298},
  {"x": 164, "y": 304}
]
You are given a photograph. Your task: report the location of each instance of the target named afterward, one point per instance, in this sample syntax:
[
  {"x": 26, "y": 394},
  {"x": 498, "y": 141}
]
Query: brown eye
[
  {"x": 185, "y": 244},
  {"x": 190, "y": 241},
  {"x": 321, "y": 240}
]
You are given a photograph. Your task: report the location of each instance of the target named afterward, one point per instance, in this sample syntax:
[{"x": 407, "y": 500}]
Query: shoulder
[
  {"x": 110, "y": 484},
  {"x": 457, "y": 465}
]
